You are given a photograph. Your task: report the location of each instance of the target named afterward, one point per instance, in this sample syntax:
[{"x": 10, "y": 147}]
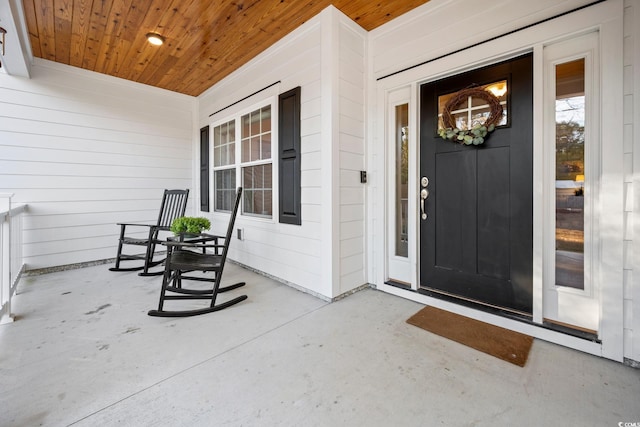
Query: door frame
[{"x": 607, "y": 18}]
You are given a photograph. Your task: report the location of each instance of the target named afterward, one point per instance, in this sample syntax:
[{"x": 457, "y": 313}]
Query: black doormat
[{"x": 499, "y": 342}]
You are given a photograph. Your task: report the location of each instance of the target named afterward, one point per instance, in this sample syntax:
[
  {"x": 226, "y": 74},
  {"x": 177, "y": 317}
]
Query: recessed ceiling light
[{"x": 155, "y": 39}]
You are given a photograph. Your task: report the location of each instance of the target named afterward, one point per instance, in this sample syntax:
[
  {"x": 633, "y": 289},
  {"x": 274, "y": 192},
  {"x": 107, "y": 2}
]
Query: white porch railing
[{"x": 11, "y": 261}]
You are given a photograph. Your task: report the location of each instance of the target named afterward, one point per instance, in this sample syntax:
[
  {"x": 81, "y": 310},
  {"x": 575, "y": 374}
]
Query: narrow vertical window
[
  {"x": 402, "y": 179},
  {"x": 224, "y": 181},
  {"x": 570, "y": 173}
]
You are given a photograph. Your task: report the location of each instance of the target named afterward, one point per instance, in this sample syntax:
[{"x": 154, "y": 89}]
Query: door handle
[{"x": 424, "y": 194}]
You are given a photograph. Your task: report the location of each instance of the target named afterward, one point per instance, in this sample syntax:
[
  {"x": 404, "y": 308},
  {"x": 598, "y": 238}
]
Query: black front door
[{"x": 476, "y": 242}]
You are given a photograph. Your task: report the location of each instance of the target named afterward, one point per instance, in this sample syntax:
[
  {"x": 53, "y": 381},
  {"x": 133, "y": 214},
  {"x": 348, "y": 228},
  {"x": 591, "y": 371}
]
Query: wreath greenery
[{"x": 478, "y": 133}]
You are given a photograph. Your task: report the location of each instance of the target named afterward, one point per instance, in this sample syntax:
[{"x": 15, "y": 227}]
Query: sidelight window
[
  {"x": 570, "y": 172},
  {"x": 402, "y": 179}
]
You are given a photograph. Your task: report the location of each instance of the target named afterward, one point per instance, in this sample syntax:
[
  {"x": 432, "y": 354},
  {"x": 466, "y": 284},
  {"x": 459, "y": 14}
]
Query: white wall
[
  {"x": 351, "y": 153},
  {"x": 325, "y": 56},
  {"x": 440, "y": 27},
  {"x": 86, "y": 151}
]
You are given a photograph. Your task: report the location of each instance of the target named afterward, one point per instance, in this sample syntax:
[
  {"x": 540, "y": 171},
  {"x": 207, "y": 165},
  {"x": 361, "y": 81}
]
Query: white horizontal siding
[
  {"x": 85, "y": 151},
  {"x": 136, "y": 146},
  {"x": 426, "y": 32},
  {"x": 127, "y": 163},
  {"x": 289, "y": 252},
  {"x": 351, "y": 123}
]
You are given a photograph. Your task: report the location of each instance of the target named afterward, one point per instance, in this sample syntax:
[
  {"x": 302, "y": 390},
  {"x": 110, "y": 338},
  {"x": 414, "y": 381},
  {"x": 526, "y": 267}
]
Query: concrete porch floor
[{"x": 83, "y": 352}]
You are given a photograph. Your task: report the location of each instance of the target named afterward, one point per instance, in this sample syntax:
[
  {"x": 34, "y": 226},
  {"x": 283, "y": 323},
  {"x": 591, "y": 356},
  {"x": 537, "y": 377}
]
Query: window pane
[
  {"x": 478, "y": 117},
  {"x": 505, "y": 114},
  {"x": 248, "y": 202},
  {"x": 265, "y": 148},
  {"x": 224, "y": 144},
  {"x": 402, "y": 180},
  {"x": 268, "y": 201},
  {"x": 246, "y": 150},
  {"x": 461, "y": 120},
  {"x": 247, "y": 177},
  {"x": 257, "y": 181},
  {"x": 258, "y": 177},
  {"x": 258, "y": 202},
  {"x": 216, "y": 156},
  {"x": 256, "y": 135},
  {"x": 266, "y": 119},
  {"x": 245, "y": 126},
  {"x": 225, "y": 188},
  {"x": 267, "y": 179},
  {"x": 475, "y": 110},
  {"x": 231, "y": 151},
  {"x": 255, "y": 148},
  {"x": 442, "y": 101},
  {"x": 216, "y": 146},
  {"x": 570, "y": 173},
  {"x": 255, "y": 122}
]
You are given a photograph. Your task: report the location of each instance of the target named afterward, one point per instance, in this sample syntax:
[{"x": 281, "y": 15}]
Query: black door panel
[{"x": 477, "y": 240}]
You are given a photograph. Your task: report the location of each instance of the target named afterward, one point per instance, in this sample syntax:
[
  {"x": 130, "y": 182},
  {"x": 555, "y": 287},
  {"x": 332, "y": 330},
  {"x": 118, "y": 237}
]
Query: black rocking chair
[
  {"x": 174, "y": 204},
  {"x": 184, "y": 256}
]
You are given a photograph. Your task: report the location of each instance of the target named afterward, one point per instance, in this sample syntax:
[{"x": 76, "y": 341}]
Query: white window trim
[{"x": 237, "y": 115}]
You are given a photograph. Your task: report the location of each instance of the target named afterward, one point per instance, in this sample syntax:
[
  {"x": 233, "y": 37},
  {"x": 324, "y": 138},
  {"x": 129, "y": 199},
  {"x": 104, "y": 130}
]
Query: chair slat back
[
  {"x": 232, "y": 221},
  {"x": 174, "y": 205}
]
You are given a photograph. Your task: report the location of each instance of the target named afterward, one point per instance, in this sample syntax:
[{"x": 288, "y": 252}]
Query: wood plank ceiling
[{"x": 206, "y": 40}]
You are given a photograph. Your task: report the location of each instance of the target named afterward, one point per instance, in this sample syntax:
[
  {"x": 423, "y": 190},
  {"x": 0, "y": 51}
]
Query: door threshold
[
  {"x": 398, "y": 284},
  {"x": 571, "y": 330},
  {"x": 511, "y": 314}
]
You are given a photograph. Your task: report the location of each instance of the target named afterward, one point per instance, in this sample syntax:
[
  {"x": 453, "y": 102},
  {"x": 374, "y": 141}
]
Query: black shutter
[
  {"x": 289, "y": 157},
  {"x": 204, "y": 169}
]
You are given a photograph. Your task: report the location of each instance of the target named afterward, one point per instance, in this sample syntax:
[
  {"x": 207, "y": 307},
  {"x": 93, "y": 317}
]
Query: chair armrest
[
  {"x": 191, "y": 245},
  {"x": 212, "y": 236},
  {"x": 134, "y": 224}
]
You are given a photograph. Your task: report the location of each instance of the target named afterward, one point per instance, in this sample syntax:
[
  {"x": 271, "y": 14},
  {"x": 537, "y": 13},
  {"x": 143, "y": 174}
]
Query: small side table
[{"x": 195, "y": 238}]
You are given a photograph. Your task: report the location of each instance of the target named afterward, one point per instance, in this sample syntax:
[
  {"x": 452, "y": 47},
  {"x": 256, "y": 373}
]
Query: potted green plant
[{"x": 190, "y": 225}]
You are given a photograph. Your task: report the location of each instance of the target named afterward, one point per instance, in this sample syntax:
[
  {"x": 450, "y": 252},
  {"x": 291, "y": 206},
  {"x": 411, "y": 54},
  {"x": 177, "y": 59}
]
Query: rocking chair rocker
[
  {"x": 174, "y": 204},
  {"x": 187, "y": 256}
]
